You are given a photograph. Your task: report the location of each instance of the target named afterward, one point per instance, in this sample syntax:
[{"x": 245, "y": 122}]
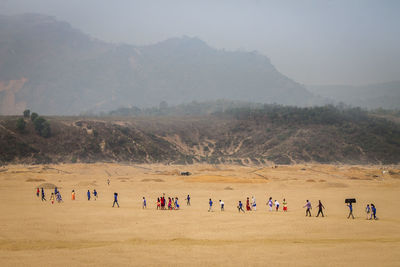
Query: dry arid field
[{"x": 92, "y": 233}]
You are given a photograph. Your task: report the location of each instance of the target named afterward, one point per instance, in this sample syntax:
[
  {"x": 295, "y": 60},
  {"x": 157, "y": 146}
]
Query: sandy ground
[{"x": 81, "y": 232}]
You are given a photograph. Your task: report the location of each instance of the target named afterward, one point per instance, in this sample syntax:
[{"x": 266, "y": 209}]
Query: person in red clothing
[
  {"x": 248, "y": 208},
  {"x": 158, "y": 203},
  {"x": 169, "y": 203},
  {"x": 37, "y": 192},
  {"x": 163, "y": 202}
]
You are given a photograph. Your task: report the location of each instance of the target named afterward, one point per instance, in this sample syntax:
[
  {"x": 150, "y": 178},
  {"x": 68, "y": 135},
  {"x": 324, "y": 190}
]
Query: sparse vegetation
[
  {"x": 21, "y": 124},
  {"x": 27, "y": 113},
  {"x": 34, "y": 115},
  {"x": 42, "y": 126},
  {"x": 267, "y": 133}
]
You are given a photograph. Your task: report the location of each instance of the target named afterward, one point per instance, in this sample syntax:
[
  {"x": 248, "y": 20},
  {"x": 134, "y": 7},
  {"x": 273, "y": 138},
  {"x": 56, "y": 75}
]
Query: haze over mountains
[
  {"x": 52, "y": 68},
  {"x": 372, "y": 96}
]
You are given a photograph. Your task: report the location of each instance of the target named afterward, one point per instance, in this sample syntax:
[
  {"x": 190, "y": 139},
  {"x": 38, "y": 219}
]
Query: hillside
[
  {"x": 48, "y": 66},
  {"x": 271, "y": 134}
]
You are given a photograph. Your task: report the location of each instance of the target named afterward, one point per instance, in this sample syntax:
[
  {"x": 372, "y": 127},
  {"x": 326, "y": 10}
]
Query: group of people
[
  {"x": 250, "y": 206},
  {"x": 371, "y": 212},
  {"x": 276, "y": 204},
  {"x": 163, "y": 204},
  {"x": 308, "y": 207},
  {"x": 169, "y": 203},
  {"x": 95, "y": 194},
  {"x": 55, "y": 196}
]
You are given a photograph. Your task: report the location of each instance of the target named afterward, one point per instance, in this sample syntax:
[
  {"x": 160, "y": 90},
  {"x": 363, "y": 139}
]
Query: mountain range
[{"x": 50, "y": 67}]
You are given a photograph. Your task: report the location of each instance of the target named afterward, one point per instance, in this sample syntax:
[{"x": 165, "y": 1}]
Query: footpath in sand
[{"x": 82, "y": 232}]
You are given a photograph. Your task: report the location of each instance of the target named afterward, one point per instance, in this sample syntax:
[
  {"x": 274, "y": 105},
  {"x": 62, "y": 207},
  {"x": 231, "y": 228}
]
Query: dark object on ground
[
  {"x": 185, "y": 173},
  {"x": 350, "y": 200}
]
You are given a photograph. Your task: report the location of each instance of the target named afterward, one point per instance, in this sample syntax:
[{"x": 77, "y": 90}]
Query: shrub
[
  {"x": 46, "y": 131},
  {"x": 42, "y": 126},
  {"x": 34, "y": 115},
  {"x": 21, "y": 125},
  {"x": 27, "y": 113}
]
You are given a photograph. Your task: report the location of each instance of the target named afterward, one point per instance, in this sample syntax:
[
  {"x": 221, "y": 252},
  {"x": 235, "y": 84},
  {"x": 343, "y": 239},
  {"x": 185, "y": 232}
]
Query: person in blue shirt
[
  {"x": 350, "y": 210},
  {"x": 43, "y": 195},
  {"x": 144, "y": 203},
  {"x": 373, "y": 209},
  {"x": 188, "y": 200},
  {"x": 95, "y": 194},
  {"x": 240, "y": 206},
  {"x": 88, "y": 195},
  {"x": 115, "y": 200},
  {"x": 210, "y": 203},
  {"x": 176, "y": 204},
  {"x": 59, "y": 198}
]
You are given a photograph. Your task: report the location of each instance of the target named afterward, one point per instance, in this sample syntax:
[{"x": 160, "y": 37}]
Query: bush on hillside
[
  {"x": 21, "y": 124},
  {"x": 34, "y": 115},
  {"x": 42, "y": 127},
  {"x": 27, "y": 113}
]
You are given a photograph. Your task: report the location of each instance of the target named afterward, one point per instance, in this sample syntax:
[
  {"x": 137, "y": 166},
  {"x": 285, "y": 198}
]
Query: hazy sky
[{"x": 311, "y": 41}]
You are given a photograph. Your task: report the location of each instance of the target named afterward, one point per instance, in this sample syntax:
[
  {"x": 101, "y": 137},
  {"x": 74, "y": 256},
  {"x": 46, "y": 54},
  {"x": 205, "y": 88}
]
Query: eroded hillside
[{"x": 289, "y": 136}]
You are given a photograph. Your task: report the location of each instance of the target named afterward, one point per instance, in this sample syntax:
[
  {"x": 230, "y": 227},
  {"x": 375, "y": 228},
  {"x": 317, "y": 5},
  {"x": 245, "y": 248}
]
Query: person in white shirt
[
  {"x": 253, "y": 200},
  {"x": 270, "y": 204},
  {"x": 276, "y": 205},
  {"x": 222, "y": 205}
]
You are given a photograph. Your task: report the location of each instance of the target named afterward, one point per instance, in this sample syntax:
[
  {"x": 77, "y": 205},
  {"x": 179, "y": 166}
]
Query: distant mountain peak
[
  {"x": 184, "y": 42},
  {"x": 68, "y": 72}
]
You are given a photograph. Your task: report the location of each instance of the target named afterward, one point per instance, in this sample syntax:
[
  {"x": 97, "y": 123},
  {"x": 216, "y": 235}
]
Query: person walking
[
  {"x": 240, "y": 206},
  {"x": 373, "y": 211},
  {"x": 320, "y": 207},
  {"x": 95, "y": 196},
  {"x": 108, "y": 182},
  {"x": 169, "y": 203},
  {"x": 276, "y": 205},
  {"x": 43, "y": 195},
  {"x": 158, "y": 203},
  {"x": 88, "y": 195},
  {"x": 284, "y": 205},
  {"x": 115, "y": 200},
  {"x": 368, "y": 211},
  {"x": 188, "y": 200},
  {"x": 248, "y": 208},
  {"x": 176, "y": 203},
  {"x": 253, "y": 200},
  {"x": 59, "y": 198},
  {"x": 144, "y": 203},
  {"x": 309, "y": 207},
  {"x": 163, "y": 203},
  {"x": 210, "y": 203},
  {"x": 37, "y": 192},
  {"x": 222, "y": 205},
  {"x": 270, "y": 204},
  {"x": 350, "y": 205},
  {"x": 52, "y": 198}
]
